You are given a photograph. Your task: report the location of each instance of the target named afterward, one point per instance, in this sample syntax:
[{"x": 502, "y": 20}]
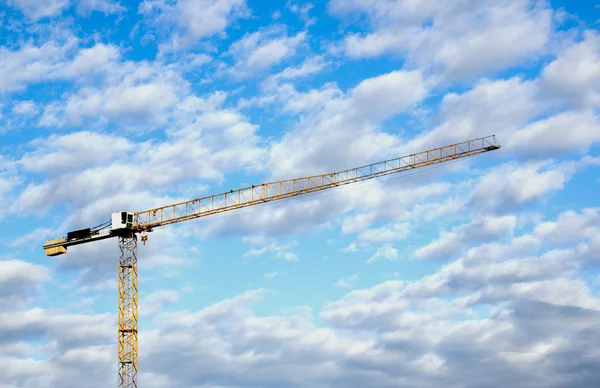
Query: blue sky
[{"x": 481, "y": 272}]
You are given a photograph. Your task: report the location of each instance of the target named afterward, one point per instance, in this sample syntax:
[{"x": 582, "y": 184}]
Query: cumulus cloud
[
  {"x": 31, "y": 63},
  {"x": 522, "y": 115},
  {"x": 107, "y": 89},
  {"x": 346, "y": 282},
  {"x": 81, "y": 345},
  {"x": 86, "y": 7},
  {"x": 99, "y": 58},
  {"x": 129, "y": 172},
  {"x": 574, "y": 74},
  {"x": 546, "y": 138},
  {"x": 457, "y": 40},
  {"x": 509, "y": 186},
  {"x": 499, "y": 107},
  {"x": 153, "y": 303},
  {"x": 344, "y": 131},
  {"x": 570, "y": 226},
  {"x": 386, "y": 252},
  {"x": 38, "y": 9},
  {"x": 18, "y": 280},
  {"x": 74, "y": 152},
  {"x": 308, "y": 67},
  {"x": 552, "y": 251},
  {"x": 193, "y": 20},
  {"x": 397, "y": 333},
  {"x": 386, "y": 233},
  {"x": 260, "y": 51},
  {"x": 272, "y": 275},
  {"x": 515, "y": 308},
  {"x": 138, "y": 94},
  {"x": 450, "y": 243},
  {"x": 261, "y": 246},
  {"x": 27, "y": 108}
]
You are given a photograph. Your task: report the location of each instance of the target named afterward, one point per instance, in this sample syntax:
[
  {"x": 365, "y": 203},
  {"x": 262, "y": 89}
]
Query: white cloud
[
  {"x": 511, "y": 109},
  {"x": 308, "y": 67},
  {"x": 372, "y": 96},
  {"x": 498, "y": 107},
  {"x": 18, "y": 280},
  {"x": 260, "y": 51},
  {"x": 193, "y": 20},
  {"x": 346, "y": 282},
  {"x": 381, "y": 336},
  {"x": 86, "y": 7},
  {"x": 546, "y": 138},
  {"x": 38, "y": 9},
  {"x": 450, "y": 243},
  {"x": 386, "y": 233},
  {"x": 574, "y": 74},
  {"x": 478, "y": 272},
  {"x": 302, "y": 11},
  {"x": 97, "y": 59},
  {"x": 261, "y": 246},
  {"x": 351, "y": 248},
  {"x": 514, "y": 311},
  {"x": 208, "y": 143},
  {"x": 342, "y": 132},
  {"x": 458, "y": 40},
  {"x": 522, "y": 266},
  {"x": 27, "y": 108},
  {"x": 139, "y": 94},
  {"x": 31, "y": 64},
  {"x": 387, "y": 252},
  {"x": 76, "y": 151},
  {"x": 509, "y": 185},
  {"x": 153, "y": 303},
  {"x": 272, "y": 275},
  {"x": 560, "y": 292},
  {"x": 70, "y": 339},
  {"x": 36, "y": 236},
  {"x": 312, "y": 100},
  {"x": 570, "y": 226}
]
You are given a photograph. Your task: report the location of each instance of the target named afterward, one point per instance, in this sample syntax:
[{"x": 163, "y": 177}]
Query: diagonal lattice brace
[{"x": 128, "y": 311}]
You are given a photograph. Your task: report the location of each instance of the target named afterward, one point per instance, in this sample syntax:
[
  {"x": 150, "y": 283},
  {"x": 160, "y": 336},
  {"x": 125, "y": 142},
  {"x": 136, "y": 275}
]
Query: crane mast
[{"x": 126, "y": 226}]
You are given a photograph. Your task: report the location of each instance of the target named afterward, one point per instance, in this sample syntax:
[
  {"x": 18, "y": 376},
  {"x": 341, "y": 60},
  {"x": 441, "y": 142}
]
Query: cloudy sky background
[{"x": 478, "y": 273}]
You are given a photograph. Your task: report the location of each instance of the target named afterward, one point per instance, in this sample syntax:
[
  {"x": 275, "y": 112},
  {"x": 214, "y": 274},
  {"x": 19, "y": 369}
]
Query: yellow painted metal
[
  {"x": 147, "y": 220},
  {"x": 267, "y": 192},
  {"x": 128, "y": 312},
  {"x": 52, "y": 249}
]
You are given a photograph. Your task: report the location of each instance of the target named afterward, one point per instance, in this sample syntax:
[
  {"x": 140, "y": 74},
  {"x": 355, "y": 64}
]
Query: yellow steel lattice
[
  {"x": 235, "y": 199},
  {"x": 128, "y": 312},
  {"x": 266, "y": 192}
]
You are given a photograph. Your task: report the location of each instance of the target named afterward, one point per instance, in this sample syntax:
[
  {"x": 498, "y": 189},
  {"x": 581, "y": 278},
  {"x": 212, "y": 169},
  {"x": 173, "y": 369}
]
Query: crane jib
[{"x": 268, "y": 192}]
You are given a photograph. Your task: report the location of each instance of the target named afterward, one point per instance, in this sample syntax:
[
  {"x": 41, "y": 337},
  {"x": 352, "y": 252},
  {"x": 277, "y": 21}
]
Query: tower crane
[{"x": 125, "y": 226}]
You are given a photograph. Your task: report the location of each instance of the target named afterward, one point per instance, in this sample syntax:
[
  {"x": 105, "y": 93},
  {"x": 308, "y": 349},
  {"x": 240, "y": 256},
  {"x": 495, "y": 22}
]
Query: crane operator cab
[{"x": 122, "y": 221}]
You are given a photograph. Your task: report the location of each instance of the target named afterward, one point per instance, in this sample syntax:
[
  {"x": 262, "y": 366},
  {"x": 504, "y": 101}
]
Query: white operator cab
[{"x": 122, "y": 220}]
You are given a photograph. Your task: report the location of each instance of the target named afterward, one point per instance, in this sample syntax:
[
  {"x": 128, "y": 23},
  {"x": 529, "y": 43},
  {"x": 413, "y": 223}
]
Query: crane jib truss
[
  {"x": 272, "y": 191},
  {"x": 146, "y": 221}
]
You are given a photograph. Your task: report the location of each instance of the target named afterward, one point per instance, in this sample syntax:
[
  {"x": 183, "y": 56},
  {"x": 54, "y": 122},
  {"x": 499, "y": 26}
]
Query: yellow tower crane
[{"x": 126, "y": 226}]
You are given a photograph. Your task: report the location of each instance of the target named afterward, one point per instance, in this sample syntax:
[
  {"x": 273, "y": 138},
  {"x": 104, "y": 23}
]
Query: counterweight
[{"x": 125, "y": 226}]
